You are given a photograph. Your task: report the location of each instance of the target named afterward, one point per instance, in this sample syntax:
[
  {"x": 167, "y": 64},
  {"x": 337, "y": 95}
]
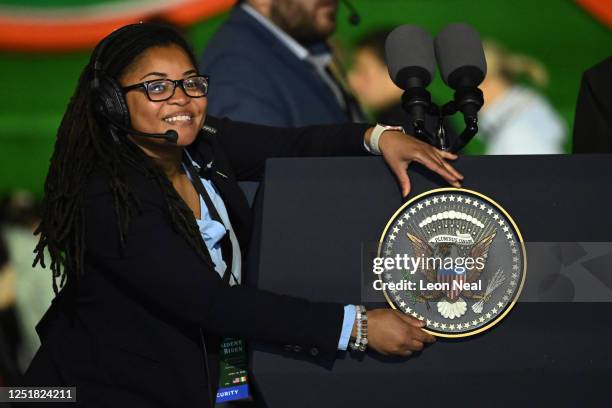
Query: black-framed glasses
[{"x": 163, "y": 89}]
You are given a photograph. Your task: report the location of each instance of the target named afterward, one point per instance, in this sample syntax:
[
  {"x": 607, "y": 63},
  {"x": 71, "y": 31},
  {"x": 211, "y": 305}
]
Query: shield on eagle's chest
[{"x": 453, "y": 280}]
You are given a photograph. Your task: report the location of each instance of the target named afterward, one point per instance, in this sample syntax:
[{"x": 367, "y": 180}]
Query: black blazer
[
  {"x": 593, "y": 120},
  {"x": 131, "y": 331}
]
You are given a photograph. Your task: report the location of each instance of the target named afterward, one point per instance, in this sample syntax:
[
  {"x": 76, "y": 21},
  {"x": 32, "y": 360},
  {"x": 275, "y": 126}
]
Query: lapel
[
  {"x": 308, "y": 74},
  {"x": 207, "y": 152}
]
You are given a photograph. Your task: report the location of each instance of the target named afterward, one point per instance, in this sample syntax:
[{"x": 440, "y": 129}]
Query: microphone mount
[{"x": 468, "y": 100}]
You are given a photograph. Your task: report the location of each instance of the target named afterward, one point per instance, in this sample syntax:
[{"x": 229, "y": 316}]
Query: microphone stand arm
[
  {"x": 417, "y": 103},
  {"x": 466, "y": 100}
]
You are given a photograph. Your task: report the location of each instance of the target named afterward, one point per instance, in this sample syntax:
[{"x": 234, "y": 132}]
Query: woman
[
  {"x": 142, "y": 253},
  {"x": 517, "y": 119}
]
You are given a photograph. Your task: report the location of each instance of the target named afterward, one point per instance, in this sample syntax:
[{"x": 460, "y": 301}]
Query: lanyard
[{"x": 226, "y": 242}]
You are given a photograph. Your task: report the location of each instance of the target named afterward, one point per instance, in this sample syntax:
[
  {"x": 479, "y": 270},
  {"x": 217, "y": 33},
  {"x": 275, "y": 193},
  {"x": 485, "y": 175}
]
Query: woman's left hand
[{"x": 400, "y": 149}]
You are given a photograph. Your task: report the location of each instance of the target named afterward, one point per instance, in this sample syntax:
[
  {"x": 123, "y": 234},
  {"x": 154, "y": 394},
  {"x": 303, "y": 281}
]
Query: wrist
[{"x": 374, "y": 135}]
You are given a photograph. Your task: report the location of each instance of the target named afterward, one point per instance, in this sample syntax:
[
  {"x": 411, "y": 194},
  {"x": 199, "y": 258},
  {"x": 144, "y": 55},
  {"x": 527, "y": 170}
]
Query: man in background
[
  {"x": 593, "y": 122},
  {"x": 270, "y": 64}
]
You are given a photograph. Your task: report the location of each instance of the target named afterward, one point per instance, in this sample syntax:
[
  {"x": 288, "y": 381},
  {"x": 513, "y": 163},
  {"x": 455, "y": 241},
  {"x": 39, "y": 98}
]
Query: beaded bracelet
[{"x": 360, "y": 342}]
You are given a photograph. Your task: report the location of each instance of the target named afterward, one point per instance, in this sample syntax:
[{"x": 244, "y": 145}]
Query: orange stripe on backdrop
[
  {"x": 57, "y": 34},
  {"x": 601, "y": 9}
]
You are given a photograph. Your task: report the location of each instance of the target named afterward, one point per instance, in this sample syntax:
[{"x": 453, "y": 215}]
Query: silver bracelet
[{"x": 360, "y": 342}]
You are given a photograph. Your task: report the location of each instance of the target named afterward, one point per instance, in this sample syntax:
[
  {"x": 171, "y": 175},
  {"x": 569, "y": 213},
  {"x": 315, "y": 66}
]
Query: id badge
[{"x": 233, "y": 382}]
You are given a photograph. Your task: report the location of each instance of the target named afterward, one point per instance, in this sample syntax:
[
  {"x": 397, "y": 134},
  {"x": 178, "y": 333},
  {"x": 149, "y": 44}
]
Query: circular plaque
[{"x": 453, "y": 258}]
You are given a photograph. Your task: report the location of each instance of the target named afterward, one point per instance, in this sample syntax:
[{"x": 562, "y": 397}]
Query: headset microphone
[
  {"x": 170, "y": 135},
  {"x": 353, "y": 18}
]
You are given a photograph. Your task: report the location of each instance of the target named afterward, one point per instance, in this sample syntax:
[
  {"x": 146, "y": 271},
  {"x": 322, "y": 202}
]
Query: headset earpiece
[{"x": 108, "y": 100}]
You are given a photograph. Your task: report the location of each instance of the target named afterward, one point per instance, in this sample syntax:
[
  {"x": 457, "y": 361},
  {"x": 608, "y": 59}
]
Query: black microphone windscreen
[
  {"x": 460, "y": 55},
  {"x": 410, "y": 55},
  {"x": 171, "y": 135}
]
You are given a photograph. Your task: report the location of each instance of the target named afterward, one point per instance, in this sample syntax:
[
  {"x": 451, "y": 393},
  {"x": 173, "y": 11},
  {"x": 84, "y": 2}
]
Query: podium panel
[{"x": 314, "y": 218}]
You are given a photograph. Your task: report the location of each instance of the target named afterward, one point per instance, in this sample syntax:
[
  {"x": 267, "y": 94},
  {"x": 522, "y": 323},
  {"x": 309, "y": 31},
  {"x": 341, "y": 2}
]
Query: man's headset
[
  {"x": 353, "y": 18},
  {"x": 108, "y": 101}
]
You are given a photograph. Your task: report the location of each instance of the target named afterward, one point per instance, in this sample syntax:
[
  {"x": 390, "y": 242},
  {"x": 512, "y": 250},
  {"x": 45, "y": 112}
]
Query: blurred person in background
[
  {"x": 516, "y": 119},
  {"x": 369, "y": 80},
  {"x": 272, "y": 65},
  {"x": 10, "y": 336},
  {"x": 33, "y": 292}
]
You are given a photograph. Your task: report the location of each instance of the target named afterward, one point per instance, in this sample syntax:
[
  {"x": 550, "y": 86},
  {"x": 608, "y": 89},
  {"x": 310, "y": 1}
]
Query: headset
[
  {"x": 108, "y": 100},
  {"x": 353, "y": 17}
]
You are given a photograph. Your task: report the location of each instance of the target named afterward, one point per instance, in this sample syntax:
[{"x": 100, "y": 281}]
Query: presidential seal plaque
[{"x": 453, "y": 258}]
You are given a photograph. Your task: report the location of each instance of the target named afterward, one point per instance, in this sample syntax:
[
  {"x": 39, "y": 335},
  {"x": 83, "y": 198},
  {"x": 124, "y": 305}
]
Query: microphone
[
  {"x": 411, "y": 62},
  {"x": 463, "y": 66},
  {"x": 353, "y": 17},
  {"x": 170, "y": 135}
]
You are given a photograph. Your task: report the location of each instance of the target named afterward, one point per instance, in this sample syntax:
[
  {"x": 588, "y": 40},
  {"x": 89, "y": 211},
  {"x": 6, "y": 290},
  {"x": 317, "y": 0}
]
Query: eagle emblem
[{"x": 450, "y": 301}]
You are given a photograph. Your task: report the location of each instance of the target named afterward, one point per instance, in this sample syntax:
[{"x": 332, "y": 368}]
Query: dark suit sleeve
[
  {"x": 166, "y": 275},
  {"x": 593, "y": 123},
  {"x": 247, "y": 146}
]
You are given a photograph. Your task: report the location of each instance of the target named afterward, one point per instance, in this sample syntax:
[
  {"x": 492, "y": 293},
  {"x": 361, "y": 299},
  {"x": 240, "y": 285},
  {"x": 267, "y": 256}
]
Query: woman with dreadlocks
[{"x": 145, "y": 234}]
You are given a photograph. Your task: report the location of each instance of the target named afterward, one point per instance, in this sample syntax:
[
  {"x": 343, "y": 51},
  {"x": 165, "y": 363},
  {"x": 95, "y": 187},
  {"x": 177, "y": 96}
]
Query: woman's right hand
[{"x": 392, "y": 332}]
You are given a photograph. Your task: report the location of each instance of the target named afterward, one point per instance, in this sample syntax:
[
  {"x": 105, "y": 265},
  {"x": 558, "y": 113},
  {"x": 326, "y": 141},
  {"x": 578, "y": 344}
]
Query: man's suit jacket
[
  {"x": 255, "y": 78},
  {"x": 131, "y": 330},
  {"x": 593, "y": 121}
]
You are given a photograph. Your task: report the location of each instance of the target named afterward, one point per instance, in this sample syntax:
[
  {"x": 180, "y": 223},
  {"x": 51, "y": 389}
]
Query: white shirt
[{"x": 212, "y": 231}]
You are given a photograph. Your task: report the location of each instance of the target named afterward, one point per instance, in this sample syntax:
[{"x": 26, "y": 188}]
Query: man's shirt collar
[{"x": 296, "y": 48}]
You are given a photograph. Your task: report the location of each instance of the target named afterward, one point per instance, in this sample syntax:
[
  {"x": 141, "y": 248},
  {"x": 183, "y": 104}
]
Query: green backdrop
[{"x": 36, "y": 87}]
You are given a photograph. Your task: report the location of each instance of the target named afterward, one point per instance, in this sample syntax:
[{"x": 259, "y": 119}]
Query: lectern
[{"x": 315, "y": 216}]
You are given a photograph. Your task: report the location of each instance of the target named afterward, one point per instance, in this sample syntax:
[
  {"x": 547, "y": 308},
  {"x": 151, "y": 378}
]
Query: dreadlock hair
[{"x": 84, "y": 143}]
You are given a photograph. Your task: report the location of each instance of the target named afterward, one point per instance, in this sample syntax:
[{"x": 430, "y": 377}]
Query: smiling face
[{"x": 181, "y": 113}]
